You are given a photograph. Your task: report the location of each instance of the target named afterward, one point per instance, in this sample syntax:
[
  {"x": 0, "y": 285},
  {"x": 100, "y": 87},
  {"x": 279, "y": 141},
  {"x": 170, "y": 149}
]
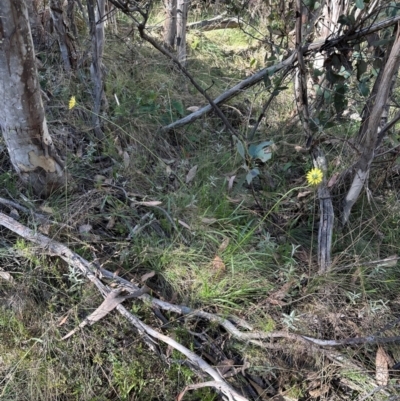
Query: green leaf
[
  {"x": 261, "y": 151},
  {"x": 252, "y": 174},
  {"x": 267, "y": 81},
  {"x": 361, "y": 68},
  {"x": 240, "y": 149},
  {"x": 333, "y": 78},
  {"x": 360, "y": 4},
  {"x": 363, "y": 88},
  {"x": 318, "y": 90},
  {"x": 339, "y": 99}
]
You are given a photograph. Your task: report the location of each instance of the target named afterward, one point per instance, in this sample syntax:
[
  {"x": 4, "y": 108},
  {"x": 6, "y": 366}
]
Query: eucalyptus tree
[{"x": 22, "y": 118}]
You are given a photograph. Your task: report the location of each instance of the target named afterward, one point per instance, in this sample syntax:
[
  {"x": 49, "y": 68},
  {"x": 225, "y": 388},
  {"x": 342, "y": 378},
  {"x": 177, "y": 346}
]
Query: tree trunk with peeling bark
[
  {"x": 170, "y": 23},
  {"x": 22, "y": 118},
  {"x": 65, "y": 39}
]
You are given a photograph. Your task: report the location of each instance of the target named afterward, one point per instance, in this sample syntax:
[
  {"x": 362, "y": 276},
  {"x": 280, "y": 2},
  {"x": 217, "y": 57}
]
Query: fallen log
[{"x": 219, "y": 22}]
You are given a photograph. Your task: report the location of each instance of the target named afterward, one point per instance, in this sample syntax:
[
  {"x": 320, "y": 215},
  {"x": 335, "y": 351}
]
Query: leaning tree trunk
[
  {"x": 370, "y": 127},
  {"x": 22, "y": 118}
]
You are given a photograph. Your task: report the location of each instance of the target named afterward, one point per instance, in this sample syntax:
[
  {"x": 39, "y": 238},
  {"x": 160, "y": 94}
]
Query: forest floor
[{"x": 175, "y": 211}]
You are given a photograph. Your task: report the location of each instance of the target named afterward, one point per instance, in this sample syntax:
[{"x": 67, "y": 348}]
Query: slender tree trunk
[
  {"x": 182, "y": 11},
  {"x": 170, "y": 24},
  {"x": 112, "y": 17},
  {"x": 65, "y": 40},
  {"x": 96, "y": 11},
  {"x": 22, "y": 118},
  {"x": 71, "y": 17}
]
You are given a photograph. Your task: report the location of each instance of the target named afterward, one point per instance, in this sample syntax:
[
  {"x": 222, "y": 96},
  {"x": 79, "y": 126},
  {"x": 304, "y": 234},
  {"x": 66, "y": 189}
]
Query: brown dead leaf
[
  {"x": 224, "y": 245},
  {"x": 225, "y": 365},
  {"x": 382, "y": 368},
  {"x": 62, "y": 320},
  {"x": 191, "y": 174},
  {"x": 319, "y": 391},
  {"x": 303, "y": 194},
  {"x": 147, "y": 276},
  {"x": 332, "y": 180},
  {"x": 260, "y": 391},
  {"x": 45, "y": 229},
  {"x": 276, "y": 297},
  {"x": 193, "y": 109},
  {"x": 218, "y": 264},
  {"x": 111, "y": 301}
]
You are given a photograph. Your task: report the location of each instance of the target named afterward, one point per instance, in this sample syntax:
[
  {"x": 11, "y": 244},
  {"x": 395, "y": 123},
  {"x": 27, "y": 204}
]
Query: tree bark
[
  {"x": 96, "y": 13},
  {"x": 371, "y": 128},
  {"x": 170, "y": 24},
  {"x": 65, "y": 40},
  {"x": 22, "y": 118},
  {"x": 183, "y": 6}
]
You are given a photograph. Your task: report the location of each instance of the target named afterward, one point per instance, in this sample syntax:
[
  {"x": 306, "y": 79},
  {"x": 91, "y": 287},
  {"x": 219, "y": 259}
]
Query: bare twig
[{"x": 57, "y": 249}]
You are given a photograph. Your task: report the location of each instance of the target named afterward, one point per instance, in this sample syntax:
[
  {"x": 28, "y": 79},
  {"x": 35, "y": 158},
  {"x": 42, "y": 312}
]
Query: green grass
[{"x": 242, "y": 244}]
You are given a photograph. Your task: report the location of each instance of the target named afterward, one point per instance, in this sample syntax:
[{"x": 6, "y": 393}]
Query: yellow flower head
[
  {"x": 314, "y": 176},
  {"x": 72, "y": 103}
]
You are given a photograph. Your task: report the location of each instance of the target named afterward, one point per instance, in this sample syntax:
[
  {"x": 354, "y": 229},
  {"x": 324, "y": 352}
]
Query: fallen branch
[
  {"x": 55, "y": 248},
  {"x": 219, "y": 22},
  {"x": 259, "y": 76},
  {"x": 218, "y": 385}
]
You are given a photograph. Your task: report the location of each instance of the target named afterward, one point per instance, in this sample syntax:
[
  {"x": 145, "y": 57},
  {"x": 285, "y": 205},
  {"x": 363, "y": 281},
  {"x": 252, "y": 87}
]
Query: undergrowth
[{"x": 230, "y": 248}]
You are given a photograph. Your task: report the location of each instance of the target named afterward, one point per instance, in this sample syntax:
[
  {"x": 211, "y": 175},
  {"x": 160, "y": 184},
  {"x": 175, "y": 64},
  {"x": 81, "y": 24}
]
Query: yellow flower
[
  {"x": 72, "y": 103},
  {"x": 314, "y": 176}
]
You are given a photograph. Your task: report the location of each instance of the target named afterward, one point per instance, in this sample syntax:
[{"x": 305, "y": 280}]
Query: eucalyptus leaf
[
  {"x": 262, "y": 151},
  {"x": 252, "y": 174},
  {"x": 363, "y": 88},
  {"x": 361, "y": 68},
  {"x": 360, "y": 4},
  {"x": 240, "y": 149}
]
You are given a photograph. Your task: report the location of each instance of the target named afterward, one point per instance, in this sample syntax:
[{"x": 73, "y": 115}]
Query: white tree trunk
[{"x": 22, "y": 118}]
